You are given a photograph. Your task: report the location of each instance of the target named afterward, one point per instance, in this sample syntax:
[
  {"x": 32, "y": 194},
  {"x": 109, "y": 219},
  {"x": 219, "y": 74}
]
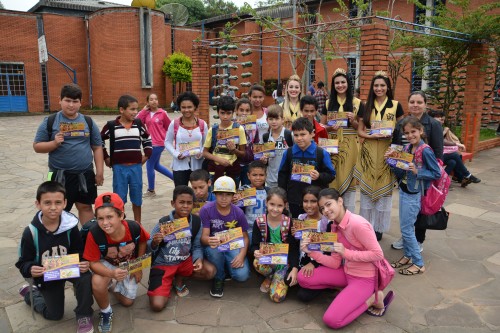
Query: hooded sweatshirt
[{"x": 65, "y": 240}]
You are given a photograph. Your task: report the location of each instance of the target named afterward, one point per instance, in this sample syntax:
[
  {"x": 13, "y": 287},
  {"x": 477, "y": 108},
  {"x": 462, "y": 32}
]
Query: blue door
[{"x": 12, "y": 88}]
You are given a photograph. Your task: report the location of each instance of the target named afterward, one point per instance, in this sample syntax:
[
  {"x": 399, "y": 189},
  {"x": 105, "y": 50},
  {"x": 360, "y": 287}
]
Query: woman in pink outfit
[
  {"x": 350, "y": 265},
  {"x": 157, "y": 122}
]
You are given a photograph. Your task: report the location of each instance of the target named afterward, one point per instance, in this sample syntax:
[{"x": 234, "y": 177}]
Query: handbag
[{"x": 437, "y": 221}]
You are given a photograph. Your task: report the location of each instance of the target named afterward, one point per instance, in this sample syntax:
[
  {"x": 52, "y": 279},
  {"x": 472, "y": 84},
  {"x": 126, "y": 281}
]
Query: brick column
[
  {"x": 374, "y": 54},
  {"x": 474, "y": 94},
  {"x": 201, "y": 78}
]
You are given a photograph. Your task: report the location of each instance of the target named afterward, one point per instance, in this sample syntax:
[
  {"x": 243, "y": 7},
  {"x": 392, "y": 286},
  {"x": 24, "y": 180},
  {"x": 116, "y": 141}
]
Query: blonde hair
[{"x": 287, "y": 114}]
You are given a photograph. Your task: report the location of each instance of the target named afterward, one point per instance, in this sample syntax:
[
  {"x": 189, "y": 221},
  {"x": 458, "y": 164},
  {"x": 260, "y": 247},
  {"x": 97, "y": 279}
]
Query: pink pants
[{"x": 350, "y": 303}]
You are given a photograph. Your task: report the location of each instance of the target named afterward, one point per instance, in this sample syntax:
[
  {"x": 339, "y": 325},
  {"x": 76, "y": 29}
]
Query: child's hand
[
  {"x": 199, "y": 155},
  {"x": 236, "y": 197},
  {"x": 213, "y": 242},
  {"x": 198, "y": 265},
  {"x": 293, "y": 276},
  {"x": 230, "y": 145},
  {"x": 119, "y": 274},
  {"x": 461, "y": 147},
  {"x": 412, "y": 168},
  {"x": 378, "y": 136},
  {"x": 37, "y": 271},
  {"x": 257, "y": 254},
  {"x": 388, "y": 152},
  {"x": 223, "y": 162},
  {"x": 238, "y": 261},
  {"x": 264, "y": 159},
  {"x": 181, "y": 157},
  {"x": 307, "y": 270},
  {"x": 339, "y": 248},
  {"x": 137, "y": 275},
  {"x": 84, "y": 266},
  {"x": 144, "y": 159},
  {"x": 303, "y": 245},
  {"x": 157, "y": 238},
  {"x": 59, "y": 138},
  {"x": 314, "y": 174}
]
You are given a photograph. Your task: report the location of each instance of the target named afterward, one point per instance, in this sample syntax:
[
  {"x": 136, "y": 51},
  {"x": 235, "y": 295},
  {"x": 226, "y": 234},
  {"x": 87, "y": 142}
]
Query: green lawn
[{"x": 484, "y": 133}]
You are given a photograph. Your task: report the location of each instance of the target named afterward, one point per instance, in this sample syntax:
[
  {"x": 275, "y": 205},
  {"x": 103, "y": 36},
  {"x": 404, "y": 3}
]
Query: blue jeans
[
  {"x": 222, "y": 260},
  {"x": 125, "y": 177},
  {"x": 152, "y": 164},
  {"x": 453, "y": 162},
  {"x": 409, "y": 207}
]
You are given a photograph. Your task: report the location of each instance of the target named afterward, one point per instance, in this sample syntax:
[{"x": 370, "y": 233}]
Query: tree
[
  {"x": 178, "y": 68},
  {"x": 1, "y": 5},
  {"x": 219, "y": 7},
  {"x": 195, "y": 8}
]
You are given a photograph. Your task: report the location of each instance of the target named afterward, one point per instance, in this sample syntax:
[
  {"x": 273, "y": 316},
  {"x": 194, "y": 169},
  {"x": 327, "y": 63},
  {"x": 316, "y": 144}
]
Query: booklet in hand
[
  {"x": 61, "y": 267},
  {"x": 137, "y": 264},
  {"x": 302, "y": 172},
  {"x": 230, "y": 239},
  {"x": 300, "y": 226},
  {"x": 175, "y": 229},
  {"x": 320, "y": 241},
  {"x": 273, "y": 254}
]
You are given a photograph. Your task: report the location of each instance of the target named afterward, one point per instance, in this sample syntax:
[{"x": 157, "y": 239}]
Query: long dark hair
[
  {"x": 415, "y": 123},
  {"x": 348, "y": 95},
  {"x": 370, "y": 103}
]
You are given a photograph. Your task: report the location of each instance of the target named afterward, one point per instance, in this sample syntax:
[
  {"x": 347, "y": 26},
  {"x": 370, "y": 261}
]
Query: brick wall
[{"x": 19, "y": 43}]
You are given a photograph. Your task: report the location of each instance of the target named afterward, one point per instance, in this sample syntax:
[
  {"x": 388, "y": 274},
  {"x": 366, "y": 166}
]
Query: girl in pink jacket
[{"x": 350, "y": 265}]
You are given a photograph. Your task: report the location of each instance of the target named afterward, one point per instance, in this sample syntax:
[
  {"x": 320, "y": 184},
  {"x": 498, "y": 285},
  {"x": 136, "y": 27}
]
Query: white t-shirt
[
  {"x": 262, "y": 127},
  {"x": 185, "y": 136}
]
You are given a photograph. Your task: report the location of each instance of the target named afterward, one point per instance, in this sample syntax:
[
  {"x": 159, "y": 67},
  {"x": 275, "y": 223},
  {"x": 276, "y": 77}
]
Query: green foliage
[
  {"x": 219, "y": 7},
  {"x": 195, "y": 8},
  {"x": 177, "y": 67},
  {"x": 1, "y": 5}
]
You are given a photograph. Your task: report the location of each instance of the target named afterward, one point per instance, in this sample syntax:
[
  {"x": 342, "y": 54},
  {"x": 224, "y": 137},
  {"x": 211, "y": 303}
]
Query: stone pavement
[{"x": 459, "y": 292}]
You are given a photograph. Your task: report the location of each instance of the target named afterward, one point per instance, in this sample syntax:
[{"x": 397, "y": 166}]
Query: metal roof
[{"x": 75, "y": 5}]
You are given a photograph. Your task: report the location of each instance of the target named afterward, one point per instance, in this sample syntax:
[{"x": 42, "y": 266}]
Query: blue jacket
[{"x": 427, "y": 172}]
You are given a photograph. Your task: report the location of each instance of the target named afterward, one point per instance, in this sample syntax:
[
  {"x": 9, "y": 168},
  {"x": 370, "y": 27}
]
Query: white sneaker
[
  {"x": 421, "y": 247},
  {"x": 398, "y": 245},
  {"x": 149, "y": 194}
]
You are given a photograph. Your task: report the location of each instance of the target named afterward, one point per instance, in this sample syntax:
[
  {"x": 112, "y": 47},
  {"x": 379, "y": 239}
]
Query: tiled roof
[{"x": 79, "y": 5}]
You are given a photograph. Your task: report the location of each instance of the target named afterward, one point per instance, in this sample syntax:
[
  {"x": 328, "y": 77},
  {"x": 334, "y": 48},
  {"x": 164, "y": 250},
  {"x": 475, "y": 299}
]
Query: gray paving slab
[{"x": 460, "y": 291}]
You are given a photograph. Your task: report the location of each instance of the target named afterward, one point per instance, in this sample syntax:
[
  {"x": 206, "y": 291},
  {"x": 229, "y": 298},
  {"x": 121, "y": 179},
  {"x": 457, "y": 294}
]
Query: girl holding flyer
[
  {"x": 350, "y": 266},
  {"x": 343, "y": 103},
  {"x": 412, "y": 184},
  {"x": 275, "y": 227},
  {"x": 185, "y": 138},
  {"x": 376, "y": 180}
]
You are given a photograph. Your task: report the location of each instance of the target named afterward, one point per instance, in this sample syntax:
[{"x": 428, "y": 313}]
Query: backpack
[
  {"x": 111, "y": 129},
  {"x": 434, "y": 198},
  {"x": 34, "y": 234},
  {"x": 177, "y": 124},
  {"x": 52, "y": 118},
  {"x": 263, "y": 227},
  {"x": 100, "y": 238},
  {"x": 287, "y": 134}
]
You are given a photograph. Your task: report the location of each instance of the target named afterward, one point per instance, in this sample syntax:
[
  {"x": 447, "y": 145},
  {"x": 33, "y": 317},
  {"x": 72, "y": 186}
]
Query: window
[
  {"x": 312, "y": 70},
  {"x": 12, "y": 80},
  {"x": 426, "y": 8},
  {"x": 146, "y": 48},
  {"x": 354, "y": 9},
  {"x": 352, "y": 71},
  {"x": 416, "y": 77}
]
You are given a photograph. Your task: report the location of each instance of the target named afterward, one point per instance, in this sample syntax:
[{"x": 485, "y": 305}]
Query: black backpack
[
  {"x": 111, "y": 129},
  {"x": 100, "y": 238}
]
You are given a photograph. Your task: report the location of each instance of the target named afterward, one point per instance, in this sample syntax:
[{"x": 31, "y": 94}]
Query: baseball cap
[
  {"x": 224, "y": 184},
  {"x": 114, "y": 201}
]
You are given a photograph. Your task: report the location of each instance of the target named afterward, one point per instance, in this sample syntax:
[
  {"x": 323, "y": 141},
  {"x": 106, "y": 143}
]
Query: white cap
[{"x": 224, "y": 184}]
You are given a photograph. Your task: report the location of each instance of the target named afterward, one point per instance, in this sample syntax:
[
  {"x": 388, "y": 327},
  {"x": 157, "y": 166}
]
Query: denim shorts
[{"x": 125, "y": 177}]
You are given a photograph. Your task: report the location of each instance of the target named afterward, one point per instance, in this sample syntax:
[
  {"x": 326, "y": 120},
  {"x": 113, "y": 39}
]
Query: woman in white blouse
[{"x": 185, "y": 137}]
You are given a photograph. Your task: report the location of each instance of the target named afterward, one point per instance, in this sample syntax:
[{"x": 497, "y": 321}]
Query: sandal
[
  {"x": 404, "y": 261},
  {"x": 408, "y": 271},
  {"x": 182, "y": 291},
  {"x": 265, "y": 285},
  {"x": 387, "y": 301}
]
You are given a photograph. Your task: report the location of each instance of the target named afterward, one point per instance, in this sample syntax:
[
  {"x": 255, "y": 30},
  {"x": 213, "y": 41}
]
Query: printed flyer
[
  {"x": 249, "y": 122},
  {"x": 334, "y": 118},
  {"x": 302, "y": 172},
  {"x": 232, "y": 134},
  {"x": 300, "y": 226},
  {"x": 330, "y": 145},
  {"x": 72, "y": 129},
  {"x": 189, "y": 149},
  {"x": 320, "y": 241},
  {"x": 230, "y": 239},
  {"x": 381, "y": 127},
  {"x": 197, "y": 205},
  {"x": 246, "y": 197},
  {"x": 137, "y": 264},
  {"x": 61, "y": 267},
  {"x": 175, "y": 229},
  {"x": 266, "y": 149},
  {"x": 398, "y": 158},
  {"x": 273, "y": 254}
]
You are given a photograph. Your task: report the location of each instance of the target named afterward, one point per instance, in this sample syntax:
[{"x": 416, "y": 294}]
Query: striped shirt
[{"x": 127, "y": 143}]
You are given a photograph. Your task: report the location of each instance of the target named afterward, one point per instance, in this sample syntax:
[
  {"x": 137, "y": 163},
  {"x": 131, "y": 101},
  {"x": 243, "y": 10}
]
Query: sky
[{"x": 25, "y": 5}]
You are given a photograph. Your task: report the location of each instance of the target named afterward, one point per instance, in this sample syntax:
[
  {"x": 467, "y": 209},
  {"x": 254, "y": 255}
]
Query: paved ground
[{"x": 460, "y": 291}]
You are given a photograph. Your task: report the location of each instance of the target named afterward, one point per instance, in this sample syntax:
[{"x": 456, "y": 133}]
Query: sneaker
[
  {"x": 149, "y": 194},
  {"x": 474, "y": 180},
  {"x": 25, "y": 289},
  {"x": 228, "y": 277},
  {"x": 466, "y": 181},
  {"x": 217, "y": 289},
  {"x": 398, "y": 245},
  {"x": 84, "y": 325},
  {"x": 420, "y": 247},
  {"x": 105, "y": 322}
]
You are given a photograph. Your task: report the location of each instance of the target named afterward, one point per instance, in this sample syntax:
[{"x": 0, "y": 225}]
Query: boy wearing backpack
[
  {"x": 126, "y": 134},
  {"x": 73, "y": 142},
  {"x": 109, "y": 242},
  {"x": 54, "y": 232},
  {"x": 222, "y": 149},
  {"x": 177, "y": 258},
  {"x": 303, "y": 155}
]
